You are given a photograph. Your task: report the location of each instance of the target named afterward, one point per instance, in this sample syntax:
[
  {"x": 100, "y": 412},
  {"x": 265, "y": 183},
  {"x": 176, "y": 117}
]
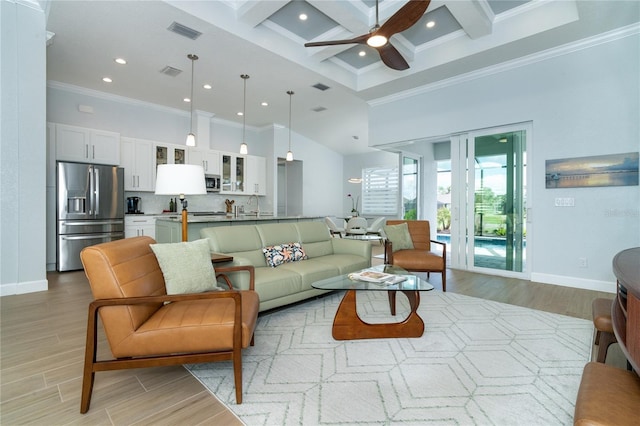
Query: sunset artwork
[{"x": 600, "y": 170}]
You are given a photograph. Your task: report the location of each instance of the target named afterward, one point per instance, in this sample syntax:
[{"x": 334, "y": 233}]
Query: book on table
[{"x": 377, "y": 277}]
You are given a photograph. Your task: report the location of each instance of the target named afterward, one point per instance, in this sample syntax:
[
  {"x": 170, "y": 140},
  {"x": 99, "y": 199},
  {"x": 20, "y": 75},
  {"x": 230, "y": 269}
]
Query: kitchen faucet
[{"x": 257, "y": 203}]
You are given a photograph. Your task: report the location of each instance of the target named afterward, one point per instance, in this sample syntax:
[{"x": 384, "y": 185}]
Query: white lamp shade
[{"x": 178, "y": 179}]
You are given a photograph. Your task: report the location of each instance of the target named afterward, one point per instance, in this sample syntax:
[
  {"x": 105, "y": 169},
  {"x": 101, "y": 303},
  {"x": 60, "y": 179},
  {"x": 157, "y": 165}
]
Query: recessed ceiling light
[
  {"x": 207, "y": 86},
  {"x": 431, "y": 24},
  {"x": 265, "y": 104},
  {"x": 107, "y": 80},
  {"x": 303, "y": 16},
  {"x": 239, "y": 113},
  {"x": 362, "y": 53},
  {"x": 187, "y": 100},
  {"x": 120, "y": 61}
]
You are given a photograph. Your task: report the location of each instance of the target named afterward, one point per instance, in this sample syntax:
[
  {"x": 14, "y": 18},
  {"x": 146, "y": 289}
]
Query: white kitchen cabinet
[
  {"x": 256, "y": 175},
  {"x": 208, "y": 159},
  {"x": 87, "y": 145},
  {"x": 170, "y": 154},
  {"x": 137, "y": 226},
  {"x": 137, "y": 160},
  {"x": 232, "y": 173}
]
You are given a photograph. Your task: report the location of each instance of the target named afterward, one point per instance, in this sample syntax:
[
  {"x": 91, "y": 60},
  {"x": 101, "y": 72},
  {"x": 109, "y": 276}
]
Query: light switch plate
[{"x": 565, "y": 202}]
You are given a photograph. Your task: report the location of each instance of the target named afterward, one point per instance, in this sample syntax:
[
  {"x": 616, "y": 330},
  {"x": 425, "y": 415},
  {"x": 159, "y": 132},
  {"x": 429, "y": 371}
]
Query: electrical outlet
[{"x": 582, "y": 262}]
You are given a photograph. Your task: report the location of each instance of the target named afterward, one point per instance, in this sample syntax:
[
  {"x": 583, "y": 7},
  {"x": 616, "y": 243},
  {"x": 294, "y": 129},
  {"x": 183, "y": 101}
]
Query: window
[
  {"x": 409, "y": 188},
  {"x": 380, "y": 188}
]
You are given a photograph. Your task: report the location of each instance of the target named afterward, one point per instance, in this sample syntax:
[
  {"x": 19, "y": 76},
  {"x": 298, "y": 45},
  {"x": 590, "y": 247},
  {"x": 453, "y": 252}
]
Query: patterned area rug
[{"x": 478, "y": 363}]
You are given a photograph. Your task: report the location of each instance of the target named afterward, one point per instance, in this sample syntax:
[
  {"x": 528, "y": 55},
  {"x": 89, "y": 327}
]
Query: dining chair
[
  {"x": 356, "y": 226},
  {"x": 376, "y": 227},
  {"x": 333, "y": 228}
]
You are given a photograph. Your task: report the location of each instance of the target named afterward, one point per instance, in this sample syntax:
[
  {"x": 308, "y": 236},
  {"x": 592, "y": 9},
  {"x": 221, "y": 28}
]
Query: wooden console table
[{"x": 625, "y": 311}]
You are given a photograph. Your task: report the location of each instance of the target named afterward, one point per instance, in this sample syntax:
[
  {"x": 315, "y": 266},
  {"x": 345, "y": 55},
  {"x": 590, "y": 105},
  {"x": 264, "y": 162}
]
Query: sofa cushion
[
  {"x": 186, "y": 267},
  {"x": 399, "y": 236},
  {"x": 277, "y": 282},
  {"x": 277, "y": 233},
  {"x": 311, "y": 270},
  {"x": 346, "y": 263},
  {"x": 233, "y": 239},
  {"x": 316, "y": 238}
]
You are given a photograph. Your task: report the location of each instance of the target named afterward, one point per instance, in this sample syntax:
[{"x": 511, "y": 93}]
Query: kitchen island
[{"x": 169, "y": 229}]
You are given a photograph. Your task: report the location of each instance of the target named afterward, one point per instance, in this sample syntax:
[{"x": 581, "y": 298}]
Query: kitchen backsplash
[{"x": 155, "y": 204}]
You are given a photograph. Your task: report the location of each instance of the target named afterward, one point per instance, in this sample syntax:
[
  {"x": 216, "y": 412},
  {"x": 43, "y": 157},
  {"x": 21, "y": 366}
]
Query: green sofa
[{"x": 288, "y": 282}]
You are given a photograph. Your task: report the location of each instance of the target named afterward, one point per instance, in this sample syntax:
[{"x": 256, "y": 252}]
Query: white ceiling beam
[
  {"x": 253, "y": 12},
  {"x": 475, "y": 17}
]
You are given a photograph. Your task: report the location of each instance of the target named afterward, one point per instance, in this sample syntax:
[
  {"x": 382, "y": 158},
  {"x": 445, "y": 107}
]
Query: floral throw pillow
[{"x": 283, "y": 253}]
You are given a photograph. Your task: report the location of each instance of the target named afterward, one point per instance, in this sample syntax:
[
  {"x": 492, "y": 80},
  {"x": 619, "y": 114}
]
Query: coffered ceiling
[{"x": 266, "y": 38}]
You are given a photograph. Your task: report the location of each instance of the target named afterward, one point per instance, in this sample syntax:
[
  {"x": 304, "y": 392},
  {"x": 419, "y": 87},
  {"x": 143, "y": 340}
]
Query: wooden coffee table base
[{"x": 347, "y": 325}]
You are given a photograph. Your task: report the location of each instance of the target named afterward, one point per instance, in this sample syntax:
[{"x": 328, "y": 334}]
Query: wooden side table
[
  {"x": 220, "y": 258},
  {"x": 625, "y": 311}
]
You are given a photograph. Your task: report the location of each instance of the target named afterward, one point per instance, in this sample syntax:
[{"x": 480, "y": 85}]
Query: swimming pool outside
[{"x": 489, "y": 252}]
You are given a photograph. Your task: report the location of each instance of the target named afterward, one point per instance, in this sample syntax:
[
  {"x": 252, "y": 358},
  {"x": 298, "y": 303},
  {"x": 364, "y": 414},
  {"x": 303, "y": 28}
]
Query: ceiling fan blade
[
  {"x": 404, "y": 18},
  {"x": 356, "y": 40},
  {"x": 392, "y": 58}
]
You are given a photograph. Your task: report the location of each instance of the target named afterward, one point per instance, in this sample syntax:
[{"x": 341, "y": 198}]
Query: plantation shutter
[{"x": 380, "y": 188}]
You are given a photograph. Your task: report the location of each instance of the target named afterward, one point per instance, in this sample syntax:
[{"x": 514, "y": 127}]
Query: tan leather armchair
[
  {"x": 421, "y": 258},
  {"x": 142, "y": 331}
]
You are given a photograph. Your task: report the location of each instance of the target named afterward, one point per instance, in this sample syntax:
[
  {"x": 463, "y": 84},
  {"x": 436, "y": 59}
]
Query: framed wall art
[{"x": 599, "y": 170}]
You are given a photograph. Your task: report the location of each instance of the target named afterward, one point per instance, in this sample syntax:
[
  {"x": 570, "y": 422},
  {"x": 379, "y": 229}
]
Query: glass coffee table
[{"x": 348, "y": 325}]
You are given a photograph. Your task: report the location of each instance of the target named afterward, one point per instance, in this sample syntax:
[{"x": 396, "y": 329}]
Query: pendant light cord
[
  {"x": 290, "y": 93},
  {"x": 244, "y": 108},
  {"x": 193, "y": 59}
]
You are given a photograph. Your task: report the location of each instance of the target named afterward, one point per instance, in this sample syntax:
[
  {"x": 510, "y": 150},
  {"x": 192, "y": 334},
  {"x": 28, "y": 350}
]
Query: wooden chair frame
[{"x": 92, "y": 365}]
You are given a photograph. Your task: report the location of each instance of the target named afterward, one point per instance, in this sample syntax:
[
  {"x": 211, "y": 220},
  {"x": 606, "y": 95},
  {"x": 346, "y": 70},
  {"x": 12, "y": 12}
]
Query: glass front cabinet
[
  {"x": 232, "y": 173},
  {"x": 169, "y": 154}
]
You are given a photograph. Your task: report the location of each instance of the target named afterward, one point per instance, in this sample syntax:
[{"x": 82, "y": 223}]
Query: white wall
[
  {"x": 321, "y": 171},
  {"x": 581, "y": 103},
  {"x": 22, "y": 148}
]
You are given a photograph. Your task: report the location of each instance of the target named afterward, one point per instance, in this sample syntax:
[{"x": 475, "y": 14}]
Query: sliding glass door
[{"x": 489, "y": 213}]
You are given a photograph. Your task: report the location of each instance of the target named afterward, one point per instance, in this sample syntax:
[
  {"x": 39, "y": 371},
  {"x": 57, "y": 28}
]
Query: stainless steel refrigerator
[{"x": 90, "y": 208}]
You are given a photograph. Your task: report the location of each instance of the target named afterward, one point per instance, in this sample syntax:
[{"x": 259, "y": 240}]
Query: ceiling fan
[{"x": 379, "y": 35}]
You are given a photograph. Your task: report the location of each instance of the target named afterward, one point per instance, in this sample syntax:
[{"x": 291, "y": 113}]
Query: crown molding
[
  {"x": 566, "y": 49},
  {"x": 113, "y": 98},
  {"x": 135, "y": 102}
]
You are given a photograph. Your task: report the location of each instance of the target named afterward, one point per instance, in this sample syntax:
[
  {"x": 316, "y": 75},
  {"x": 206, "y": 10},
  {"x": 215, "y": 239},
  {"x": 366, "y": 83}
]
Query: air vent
[
  {"x": 170, "y": 71},
  {"x": 184, "y": 31},
  {"x": 318, "y": 109},
  {"x": 321, "y": 86}
]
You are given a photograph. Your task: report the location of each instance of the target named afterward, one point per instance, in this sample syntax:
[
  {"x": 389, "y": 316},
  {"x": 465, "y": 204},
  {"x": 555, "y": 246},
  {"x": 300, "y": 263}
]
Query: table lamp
[{"x": 181, "y": 180}]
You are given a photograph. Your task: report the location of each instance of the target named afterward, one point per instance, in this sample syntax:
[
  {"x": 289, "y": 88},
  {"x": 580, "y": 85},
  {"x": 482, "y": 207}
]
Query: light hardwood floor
[{"x": 43, "y": 337}]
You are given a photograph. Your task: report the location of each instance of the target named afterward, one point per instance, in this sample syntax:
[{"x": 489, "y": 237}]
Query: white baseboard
[
  {"x": 23, "y": 287},
  {"x": 606, "y": 286}
]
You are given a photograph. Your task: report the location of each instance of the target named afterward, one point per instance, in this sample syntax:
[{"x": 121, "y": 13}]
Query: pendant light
[
  {"x": 243, "y": 146},
  {"x": 289, "y": 153},
  {"x": 191, "y": 137}
]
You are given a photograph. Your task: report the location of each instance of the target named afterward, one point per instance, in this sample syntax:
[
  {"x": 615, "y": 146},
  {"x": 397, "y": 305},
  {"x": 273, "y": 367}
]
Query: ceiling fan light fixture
[
  {"x": 377, "y": 41},
  {"x": 191, "y": 137}
]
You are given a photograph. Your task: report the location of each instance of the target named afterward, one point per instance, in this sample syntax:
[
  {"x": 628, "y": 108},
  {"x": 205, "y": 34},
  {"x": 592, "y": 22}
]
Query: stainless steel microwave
[{"x": 212, "y": 182}]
